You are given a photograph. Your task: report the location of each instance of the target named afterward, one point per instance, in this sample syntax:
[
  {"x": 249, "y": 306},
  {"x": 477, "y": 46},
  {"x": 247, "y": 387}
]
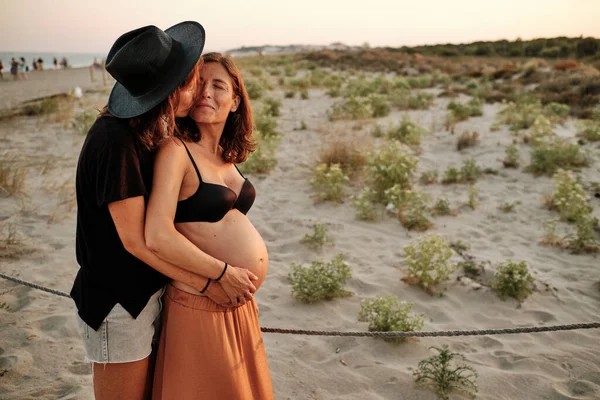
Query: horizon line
[{"x": 335, "y": 42}]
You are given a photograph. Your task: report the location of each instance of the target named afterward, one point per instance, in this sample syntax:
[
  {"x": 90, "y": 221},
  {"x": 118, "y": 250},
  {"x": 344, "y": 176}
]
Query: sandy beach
[
  {"x": 48, "y": 82},
  {"x": 41, "y": 356}
]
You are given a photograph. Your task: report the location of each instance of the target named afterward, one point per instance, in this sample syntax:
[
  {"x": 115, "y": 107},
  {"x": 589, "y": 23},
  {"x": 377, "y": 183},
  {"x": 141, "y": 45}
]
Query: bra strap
[
  {"x": 192, "y": 159},
  {"x": 238, "y": 170}
]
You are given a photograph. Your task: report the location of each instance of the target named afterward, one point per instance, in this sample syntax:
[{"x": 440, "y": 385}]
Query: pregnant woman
[{"x": 197, "y": 213}]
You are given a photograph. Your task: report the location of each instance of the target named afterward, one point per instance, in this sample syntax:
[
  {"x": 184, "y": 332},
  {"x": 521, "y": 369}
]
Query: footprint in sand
[
  {"x": 542, "y": 316},
  {"x": 489, "y": 343},
  {"x": 6, "y": 363},
  {"x": 52, "y": 323},
  {"x": 80, "y": 368},
  {"x": 582, "y": 388}
]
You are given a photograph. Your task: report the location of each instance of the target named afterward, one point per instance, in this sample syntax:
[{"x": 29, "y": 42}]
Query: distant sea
[{"x": 75, "y": 60}]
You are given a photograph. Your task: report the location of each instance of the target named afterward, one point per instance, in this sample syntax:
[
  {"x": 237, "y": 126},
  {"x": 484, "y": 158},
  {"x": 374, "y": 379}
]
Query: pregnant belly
[{"x": 233, "y": 240}]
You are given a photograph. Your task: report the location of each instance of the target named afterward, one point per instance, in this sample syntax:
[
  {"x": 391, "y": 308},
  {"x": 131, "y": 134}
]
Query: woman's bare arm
[{"x": 128, "y": 216}]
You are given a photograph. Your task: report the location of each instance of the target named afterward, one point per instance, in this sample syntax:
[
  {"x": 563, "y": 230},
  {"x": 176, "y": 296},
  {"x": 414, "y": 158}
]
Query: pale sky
[{"x": 93, "y": 25}]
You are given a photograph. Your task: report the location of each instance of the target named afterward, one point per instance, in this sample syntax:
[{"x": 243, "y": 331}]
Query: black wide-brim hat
[{"x": 149, "y": 64}]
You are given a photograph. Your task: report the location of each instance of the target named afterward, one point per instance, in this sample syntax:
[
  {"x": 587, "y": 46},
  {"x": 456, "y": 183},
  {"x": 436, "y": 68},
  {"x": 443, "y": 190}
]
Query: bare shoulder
[{"x": 171, "y": 146}]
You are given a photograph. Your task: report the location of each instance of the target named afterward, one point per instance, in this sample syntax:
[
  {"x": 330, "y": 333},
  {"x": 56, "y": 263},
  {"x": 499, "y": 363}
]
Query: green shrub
[
  {"x": 512, "y": 280},
  {"x": 254, "y": 88},
  {"x": 596, "y": 113},
  {"x": 556, "y": 112},
  {"x": 334, "y": 91},
  {"x": 462, "y": 111},
  {"x": 442, "y": 207},
  {"x": 470, "y": 268},
  {"x": 365, "y": 205},
  {"x": 428, "y": 177},
  {"x": 321, "y": 281},
  {"x": 589, "y": 130},
  {"x": 84, "y": 121},
  {"x": 569, "y": 198},
  {"x": 439, "y": 374},
  {"x": 361, "y": 87},
  {"x": 377, "y": 131},
  {"x": 470, "y": 171},
  {"x": 428, "y": 260},
  {"x": 551, "y": 154},
  {"x": 304, "y": 94},
  {"x": 512, "y": 158},
  {"x": 412, "y": 206},
  {"x": 407, "y": 132},
  {"x": 328, "y": 182},
  {"x": 459, "y": 246},
  {"x": 420, "y": 82},
  {"x": 300, "y": 84},
  {"x": 266, "y": 124},
  {"x": 473, "y": 195},
  {"x": 272, "y": 107},
  {"x": 352, "y": 108},
  {"x": 290, "y": 70},
  {"x": 451, "y": 175},
  {"x": 318, "y": 238},
  {"x": 585, "y": 238},
  {"x": 387, "y": 314},
  {"x": 520, "y": 115},
  {"x": 44, "y": 107},
  {"x": 379, "y": 105},
  {"x": 405, "y": 100},
  {"x": 255, "y": 71},
  {"x": 391, "y": 164},
  {"x": 550, "y": 236},
  {"x": 542, "y": 128},
  {"x": 508, "y": 206},
  {"x": 262, "y": 160},
  {"x": 400, "y": 83},
  {"x": 289, "y": 94}
]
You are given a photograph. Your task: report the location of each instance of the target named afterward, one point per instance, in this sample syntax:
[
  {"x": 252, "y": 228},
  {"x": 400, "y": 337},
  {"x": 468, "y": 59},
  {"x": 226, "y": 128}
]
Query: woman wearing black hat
[{"x": 119, "y": 285}]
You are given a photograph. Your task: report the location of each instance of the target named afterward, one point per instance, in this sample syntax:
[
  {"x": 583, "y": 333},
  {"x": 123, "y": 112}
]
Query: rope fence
[{"x": 480, "y": 332}]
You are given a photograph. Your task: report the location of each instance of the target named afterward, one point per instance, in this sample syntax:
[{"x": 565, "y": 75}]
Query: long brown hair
[
  {"x": 154, "y": 126},
  {"x": 236, "y": 140}
]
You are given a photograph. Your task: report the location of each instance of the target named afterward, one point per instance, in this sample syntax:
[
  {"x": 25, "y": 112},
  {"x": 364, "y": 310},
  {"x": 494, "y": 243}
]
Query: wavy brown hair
[
  {"x": 158, "y": 124},
  {"x": 236, "y": 141}
]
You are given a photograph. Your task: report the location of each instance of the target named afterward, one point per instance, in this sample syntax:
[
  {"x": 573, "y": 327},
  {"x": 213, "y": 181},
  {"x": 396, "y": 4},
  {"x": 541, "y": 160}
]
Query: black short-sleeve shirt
[{"x": 112, "y": 166}]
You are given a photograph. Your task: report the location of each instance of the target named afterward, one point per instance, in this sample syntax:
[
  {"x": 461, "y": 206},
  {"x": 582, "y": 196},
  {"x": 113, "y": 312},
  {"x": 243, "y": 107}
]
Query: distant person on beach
[
  {"x": 119, "y": 285},
  {"x": 40, "y": 63},
  {"x": 23, "y": 68},
  {"x": 197, "y": 212},
  {"x": 34, "y": 64},
  {"x": 55, "y": 62},
  {"x": 1, "y": 68},
  {"x": 14, "y": 68},
  {"x": 64, "y": 63}
]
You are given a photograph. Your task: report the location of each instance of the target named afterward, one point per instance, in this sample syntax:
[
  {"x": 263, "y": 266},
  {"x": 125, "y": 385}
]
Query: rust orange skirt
[{"x": 210, "y": 352}]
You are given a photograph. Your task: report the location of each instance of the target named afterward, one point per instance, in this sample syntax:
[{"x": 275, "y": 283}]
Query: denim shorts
[{"x": 121, "y": 338}]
